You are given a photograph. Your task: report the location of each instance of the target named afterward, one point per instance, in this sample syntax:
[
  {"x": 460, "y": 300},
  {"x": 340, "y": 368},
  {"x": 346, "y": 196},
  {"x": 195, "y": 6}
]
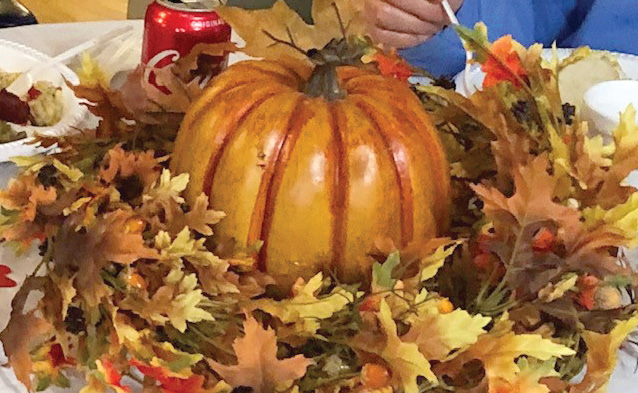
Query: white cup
[{"x": 604, "y": 102}]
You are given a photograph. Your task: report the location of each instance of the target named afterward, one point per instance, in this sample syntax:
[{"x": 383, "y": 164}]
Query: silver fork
[{"x": 468, "y": 55}]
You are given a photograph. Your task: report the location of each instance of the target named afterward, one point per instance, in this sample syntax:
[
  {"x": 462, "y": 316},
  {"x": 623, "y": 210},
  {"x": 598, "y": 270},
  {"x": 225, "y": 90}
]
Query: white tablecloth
[{"x": 56, "y": 38}]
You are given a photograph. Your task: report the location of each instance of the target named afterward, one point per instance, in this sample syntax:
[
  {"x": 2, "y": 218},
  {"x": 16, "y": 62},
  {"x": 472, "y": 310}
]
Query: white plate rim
[{"x": 67, "y": 124}]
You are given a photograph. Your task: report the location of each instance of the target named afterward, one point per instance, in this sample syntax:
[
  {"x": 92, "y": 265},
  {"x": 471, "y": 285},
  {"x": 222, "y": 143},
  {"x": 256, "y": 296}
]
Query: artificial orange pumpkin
[{"x": 316, "y": 179}]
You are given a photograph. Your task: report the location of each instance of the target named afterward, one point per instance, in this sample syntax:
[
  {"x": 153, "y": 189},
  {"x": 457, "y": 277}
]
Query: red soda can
[{"x": 173, "y": 27}]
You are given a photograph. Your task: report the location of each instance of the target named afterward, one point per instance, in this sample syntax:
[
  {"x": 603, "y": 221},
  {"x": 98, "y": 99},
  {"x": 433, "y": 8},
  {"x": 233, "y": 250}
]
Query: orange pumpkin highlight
[{"x": 315, "y": 179}]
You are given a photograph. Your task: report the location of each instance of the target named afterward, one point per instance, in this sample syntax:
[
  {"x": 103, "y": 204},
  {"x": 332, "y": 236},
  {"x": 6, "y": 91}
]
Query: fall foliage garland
[{"x": 528, "y": 288}]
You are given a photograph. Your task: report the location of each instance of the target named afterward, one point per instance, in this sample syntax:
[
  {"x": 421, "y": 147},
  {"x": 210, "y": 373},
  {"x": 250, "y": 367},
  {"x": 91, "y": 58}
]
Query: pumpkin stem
[
  {"x": 324, "y": 82},
  {"x": 338, "y": 52}
]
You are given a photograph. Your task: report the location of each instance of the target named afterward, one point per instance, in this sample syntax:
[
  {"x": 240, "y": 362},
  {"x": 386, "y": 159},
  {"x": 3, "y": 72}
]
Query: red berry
[
  {"x": 482, "y": 262},
  {"x": 543, "y": 240}
]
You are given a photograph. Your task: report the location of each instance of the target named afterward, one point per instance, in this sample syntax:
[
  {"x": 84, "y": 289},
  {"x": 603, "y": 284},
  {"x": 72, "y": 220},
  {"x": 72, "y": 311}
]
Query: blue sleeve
[
  {"x": 608, "y": 25},
  {"x": 528, "y": 21}
]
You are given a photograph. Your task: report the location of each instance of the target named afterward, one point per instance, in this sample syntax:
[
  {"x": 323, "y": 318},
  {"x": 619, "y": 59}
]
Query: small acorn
[{"x": 607, "y": 298}]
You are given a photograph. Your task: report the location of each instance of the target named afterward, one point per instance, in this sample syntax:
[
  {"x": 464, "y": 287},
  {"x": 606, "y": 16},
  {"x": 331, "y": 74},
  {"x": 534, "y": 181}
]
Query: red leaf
[
  {"x": 193, "y": 384},
  {"x": 6, "y": 282},
  {"x": 56, "y": 354},
  {"x": 112, "y": 376}
]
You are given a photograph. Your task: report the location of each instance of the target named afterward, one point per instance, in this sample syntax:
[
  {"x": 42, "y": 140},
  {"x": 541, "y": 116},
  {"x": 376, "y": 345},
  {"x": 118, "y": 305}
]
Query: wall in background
[{"x": 301, "y": 6}]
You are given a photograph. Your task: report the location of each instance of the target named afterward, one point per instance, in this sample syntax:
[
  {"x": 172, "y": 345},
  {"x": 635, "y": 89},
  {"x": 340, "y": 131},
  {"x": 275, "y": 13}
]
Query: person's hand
[{"x": 406, "y": 23}]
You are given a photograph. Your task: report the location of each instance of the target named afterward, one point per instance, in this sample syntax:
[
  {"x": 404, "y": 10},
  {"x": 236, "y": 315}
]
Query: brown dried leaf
[
  {"x": 532, "y": 202},
  {"x": 280, "y": 21},
  {"x": 91, "y": 250},
  {"x": 23, "y": 332},
  {"x": 186, "y": 68},
  {"x": 257, "y": 364},
  {"x": 105, "y": 104},
  {"x": 135, "y": 98}
]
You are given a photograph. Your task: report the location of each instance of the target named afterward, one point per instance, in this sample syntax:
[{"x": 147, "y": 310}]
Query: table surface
[
  {"x": 55, "y": 38},
  {"x": 56, "y": 11}
]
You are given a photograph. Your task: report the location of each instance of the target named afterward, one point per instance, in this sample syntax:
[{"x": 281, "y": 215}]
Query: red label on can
[{"x": 172, "y": 28}]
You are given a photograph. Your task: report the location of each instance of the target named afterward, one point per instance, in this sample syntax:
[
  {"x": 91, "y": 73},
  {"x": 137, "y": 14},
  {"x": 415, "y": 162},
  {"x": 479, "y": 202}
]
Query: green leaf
[
  {"x": 62, "y": 381},
  {"x": 382, "y": 273},
  {"x": 475, "y": 40},
  {"x": 619, "y": 281},
  {"x": 183, "y": 362},
  {"x": 44, "y": 381}
]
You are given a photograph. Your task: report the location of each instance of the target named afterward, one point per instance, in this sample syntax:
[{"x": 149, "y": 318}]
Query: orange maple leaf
[
  {"x": 392, "y": 65},
  {"x": 25, "y": 195},
  {"x": 257, "y": 364},
  {"x": 503, "y": 64},
  {"x": 126, "y": 164}
]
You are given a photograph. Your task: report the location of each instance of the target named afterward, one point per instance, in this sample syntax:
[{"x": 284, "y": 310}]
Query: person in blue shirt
[{"x": 418, "y": 27}]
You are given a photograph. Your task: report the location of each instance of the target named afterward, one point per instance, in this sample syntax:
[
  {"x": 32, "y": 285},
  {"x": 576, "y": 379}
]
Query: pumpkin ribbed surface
[{"x": 317, "y": 181}]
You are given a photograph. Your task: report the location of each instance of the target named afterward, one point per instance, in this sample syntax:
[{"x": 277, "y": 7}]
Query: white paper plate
[
  {"x": 629, "y": 64},
  {"x": 17, "y": 58}
]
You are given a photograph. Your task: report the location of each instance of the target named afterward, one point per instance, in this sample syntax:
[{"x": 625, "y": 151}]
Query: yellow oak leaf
[
  {"x": 437, "y": 335},
  {"x": 430, "y": 265},
  {"x": 599, "y": 152},
  {"x": 626, "y": 136},
  {"x": 258, "y": 27},
  {"x": 168, "y": 187},
  {"x": 623, "y": 217},
  {"x": 257, "y": 364},
  {"x": 210, "y": 268},
  {"x": 185, "y": 306},
  {"x": 176, "y": 302},
  {"x": 499, "y": 348},
  {"x": 552, "y": 291},
  {"x": 305, "y": 310},
  {"x": 528, "y": 379},
  {"x": 405, "y": 360},
  {"x": 624, "y": 160},
  {"x": 199, "y": 218},
  {"x": 602, "y": 355}
]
